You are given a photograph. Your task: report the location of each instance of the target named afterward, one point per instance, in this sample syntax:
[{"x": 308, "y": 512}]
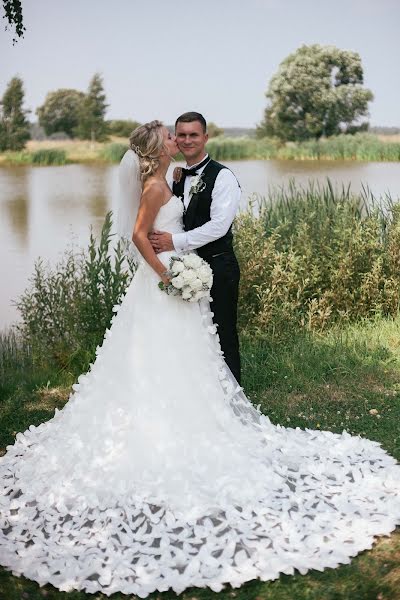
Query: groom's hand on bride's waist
[{"x": 161, "y": 241}]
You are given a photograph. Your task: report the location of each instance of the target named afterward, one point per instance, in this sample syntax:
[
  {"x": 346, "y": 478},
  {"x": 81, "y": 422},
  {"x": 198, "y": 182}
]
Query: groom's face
[{"x": 191, "y": 140}]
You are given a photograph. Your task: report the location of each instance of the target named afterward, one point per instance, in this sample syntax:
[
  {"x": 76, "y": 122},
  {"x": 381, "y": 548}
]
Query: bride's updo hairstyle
[{"x": 147, "y": 141}]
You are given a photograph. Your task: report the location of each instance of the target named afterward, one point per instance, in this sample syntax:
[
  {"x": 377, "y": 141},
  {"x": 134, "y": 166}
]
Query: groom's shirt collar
[{"x": 200, "y": 161}]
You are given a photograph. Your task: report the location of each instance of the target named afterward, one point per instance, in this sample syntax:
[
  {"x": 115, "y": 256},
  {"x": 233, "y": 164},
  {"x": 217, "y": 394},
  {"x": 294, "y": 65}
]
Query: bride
[{"x": 159, "y": 473}]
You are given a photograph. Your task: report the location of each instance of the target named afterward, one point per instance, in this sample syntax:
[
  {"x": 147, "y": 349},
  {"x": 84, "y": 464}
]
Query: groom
[{"x": 210, "y": 207}]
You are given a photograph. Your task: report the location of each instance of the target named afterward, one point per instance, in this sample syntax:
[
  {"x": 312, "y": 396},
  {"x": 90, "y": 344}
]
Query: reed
[
  {"x": 49, "y": 156},
  {"x": 43, "y": 157},
  {"x": 114, "y": 152},
  {"x": 311, "y": 257},
  {"x": 361, "y": 147}
]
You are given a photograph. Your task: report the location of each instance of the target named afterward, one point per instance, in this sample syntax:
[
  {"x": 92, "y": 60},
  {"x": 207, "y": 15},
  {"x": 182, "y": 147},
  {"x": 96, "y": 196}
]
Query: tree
[
  {"x": 60, "y": 111},
  {"x": 213, "y": 130},
  {"x": 13, "y": 14},
  {"x": 14, "y": 126},
  {"x": 92, "y": 125},
  {"x": 122, "y": 127},
  {"x": 318, "y": 90}
]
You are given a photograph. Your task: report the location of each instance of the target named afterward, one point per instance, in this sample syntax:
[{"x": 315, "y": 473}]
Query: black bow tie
[
  {"x": 193, "y": 170},
  {"x": 189, "y": 172}
]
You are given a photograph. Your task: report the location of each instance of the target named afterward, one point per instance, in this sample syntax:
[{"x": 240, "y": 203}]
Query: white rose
[
  {"x": 188, "y": 276},
  {"x": 186, "y": 294},
  {"x": 192, "y": 260},
  {"x": 198, "y": 295},
  {"x": 177, "y": 266},
  {"x": 177, "y": 282},
  {"x": 196, "y": 261},
  {"x": 187, "y": 260},
  {"x": 197, "y": 285},
  {"x": 204, "y": 273}
]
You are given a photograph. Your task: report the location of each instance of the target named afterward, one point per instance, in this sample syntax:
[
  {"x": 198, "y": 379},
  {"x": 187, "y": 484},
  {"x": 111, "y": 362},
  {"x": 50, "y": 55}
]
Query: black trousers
[{"x": 225, "y": 292}]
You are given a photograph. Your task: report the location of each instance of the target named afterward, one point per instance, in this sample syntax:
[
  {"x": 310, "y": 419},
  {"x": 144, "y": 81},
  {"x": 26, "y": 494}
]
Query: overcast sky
[{"x": 160, "y": 58}]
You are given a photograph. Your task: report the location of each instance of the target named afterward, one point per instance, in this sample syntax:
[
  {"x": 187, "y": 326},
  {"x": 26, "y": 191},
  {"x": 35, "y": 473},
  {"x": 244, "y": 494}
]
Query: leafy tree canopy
[
  {"x": 13, "y": 14},
  {"x": 92, "y": 125},
  {"x": 121, "y": 127},
  {"x": 213, "y": 130},
  {"x": 60, "y": 111},
  {"x": 317, "y": 91},
  {"x": 14, "y": 126}
]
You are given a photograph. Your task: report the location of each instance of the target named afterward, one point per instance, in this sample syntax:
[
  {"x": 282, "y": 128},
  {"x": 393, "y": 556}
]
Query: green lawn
[{"x": 326, "y": 381}]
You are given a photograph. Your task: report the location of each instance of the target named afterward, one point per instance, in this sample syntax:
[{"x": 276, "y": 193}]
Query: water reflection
[
  {"x": 71, "y": 195},
  {"x": 15, "y": 204}
]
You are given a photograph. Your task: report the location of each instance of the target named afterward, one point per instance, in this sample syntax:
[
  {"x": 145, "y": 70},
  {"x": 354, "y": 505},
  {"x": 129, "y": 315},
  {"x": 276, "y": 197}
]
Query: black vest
[{"x": 198, "y": 210}]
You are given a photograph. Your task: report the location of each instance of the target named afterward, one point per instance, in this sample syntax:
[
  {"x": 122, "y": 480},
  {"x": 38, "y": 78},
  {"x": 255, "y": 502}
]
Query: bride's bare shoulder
[{"x": 153, "y": 191}]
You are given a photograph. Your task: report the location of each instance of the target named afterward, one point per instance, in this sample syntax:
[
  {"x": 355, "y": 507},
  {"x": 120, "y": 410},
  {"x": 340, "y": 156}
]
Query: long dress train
[{"x": 159, "y": 473}]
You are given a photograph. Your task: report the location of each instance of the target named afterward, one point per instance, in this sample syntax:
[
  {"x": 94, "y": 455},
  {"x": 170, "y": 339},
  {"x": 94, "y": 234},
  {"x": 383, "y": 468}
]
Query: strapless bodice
[{"x": 169, "y": 217}]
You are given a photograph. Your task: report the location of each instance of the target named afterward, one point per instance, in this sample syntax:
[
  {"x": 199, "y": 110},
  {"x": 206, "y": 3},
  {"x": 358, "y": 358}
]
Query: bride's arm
[{"x": 150, "y": 203}]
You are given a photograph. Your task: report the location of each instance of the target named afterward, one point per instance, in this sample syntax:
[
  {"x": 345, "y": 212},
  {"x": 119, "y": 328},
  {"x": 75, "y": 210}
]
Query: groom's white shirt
[{"x": 225, "y": 203}]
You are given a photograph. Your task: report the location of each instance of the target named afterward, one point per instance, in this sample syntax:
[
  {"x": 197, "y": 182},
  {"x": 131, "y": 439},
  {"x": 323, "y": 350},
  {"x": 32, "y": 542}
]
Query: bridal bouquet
[{"x": 190, "y": 277}]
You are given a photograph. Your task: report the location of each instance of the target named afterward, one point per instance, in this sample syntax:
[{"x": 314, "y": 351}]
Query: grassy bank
[
  {"x": 320, "y": 340},
  {"x": 321, "y": 381},
  {"x": 360, "y": 147}
]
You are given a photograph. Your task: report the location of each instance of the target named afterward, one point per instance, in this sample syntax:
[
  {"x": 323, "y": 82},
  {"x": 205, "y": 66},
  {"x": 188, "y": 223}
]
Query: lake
[{"x": 45, "y": 209}]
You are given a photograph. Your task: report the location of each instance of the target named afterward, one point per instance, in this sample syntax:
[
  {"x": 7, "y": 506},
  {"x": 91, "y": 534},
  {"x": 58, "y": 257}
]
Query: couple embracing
[
  {"x": 209, "y": 210},
  {"x": 158, "y": 472}
]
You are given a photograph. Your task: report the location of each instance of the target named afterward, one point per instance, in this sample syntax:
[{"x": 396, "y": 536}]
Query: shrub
[
  {"x": 312, "y": 257},
  {"x": 67, "y": 309},
  {"x": 122, "y": 127}
]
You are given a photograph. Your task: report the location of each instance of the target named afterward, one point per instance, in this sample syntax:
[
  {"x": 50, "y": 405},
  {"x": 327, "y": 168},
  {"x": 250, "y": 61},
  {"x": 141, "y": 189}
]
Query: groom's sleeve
[{"x": 224, "y": 205}]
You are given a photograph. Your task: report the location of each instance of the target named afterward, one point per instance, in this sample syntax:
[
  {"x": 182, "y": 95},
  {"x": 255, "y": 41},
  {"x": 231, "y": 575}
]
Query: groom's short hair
[{"x": 189, "y": 117}]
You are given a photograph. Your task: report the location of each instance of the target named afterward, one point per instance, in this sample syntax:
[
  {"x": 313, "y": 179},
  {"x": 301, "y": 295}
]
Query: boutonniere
[{"x": 197, "y": 185}]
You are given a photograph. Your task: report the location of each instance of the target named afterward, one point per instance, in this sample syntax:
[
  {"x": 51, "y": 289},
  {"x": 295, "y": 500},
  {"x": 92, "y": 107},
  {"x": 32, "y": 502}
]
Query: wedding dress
[{"x": 159, "y": 473}]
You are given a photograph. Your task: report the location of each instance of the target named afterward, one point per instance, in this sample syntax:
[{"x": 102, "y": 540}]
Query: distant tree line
[
  {"x": 385, "y": 130},
  {"x": 76, "y": 114},
  {"x": 66, "y": 112},
  {"x": 317, "y": 92},
  {"x": 69, "y": 111}
]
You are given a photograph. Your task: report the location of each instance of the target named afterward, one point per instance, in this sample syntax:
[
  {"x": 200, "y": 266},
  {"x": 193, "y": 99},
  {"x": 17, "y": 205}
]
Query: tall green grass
[
  {"x": 361, "y": 146},
  {"x": 49, "y": 156},
  {"x": 44, "y": 156},
  {"x": 67, "y": 308},
  {"x": 114, "y": 152},
  {"x": 221, "y": 148},
  {"x": 311, "y": 257}
]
